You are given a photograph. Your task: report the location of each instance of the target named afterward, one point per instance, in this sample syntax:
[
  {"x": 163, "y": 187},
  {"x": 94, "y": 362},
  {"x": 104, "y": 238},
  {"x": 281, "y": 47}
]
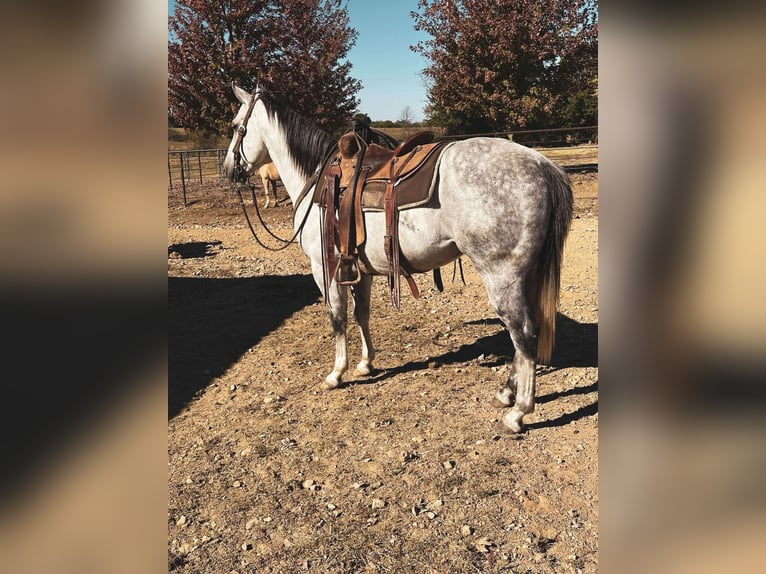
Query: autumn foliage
[
  {"x": 509, "y": 64},
  {"x": 294, "y": 48}
]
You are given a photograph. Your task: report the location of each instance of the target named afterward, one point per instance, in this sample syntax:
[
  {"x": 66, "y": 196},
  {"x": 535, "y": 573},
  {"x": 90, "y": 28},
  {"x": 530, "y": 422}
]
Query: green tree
[
  {"x": 362, "y": 119},
  {"x": 508, "y": 64},
  {"x": 294, "y": 48}
]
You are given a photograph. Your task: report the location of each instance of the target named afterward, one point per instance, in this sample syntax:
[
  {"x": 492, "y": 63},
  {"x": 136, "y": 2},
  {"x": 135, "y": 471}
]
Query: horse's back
[{"x": 496, "y": 163}]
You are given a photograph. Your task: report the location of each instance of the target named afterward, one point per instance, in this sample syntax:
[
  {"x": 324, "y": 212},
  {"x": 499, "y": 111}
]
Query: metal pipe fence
[{"x": 194, "y": 169}]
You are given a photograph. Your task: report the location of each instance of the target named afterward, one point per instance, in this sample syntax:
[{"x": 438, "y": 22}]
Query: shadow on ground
[
  {"x": 213, "y": 322},
  {"x": 576, "y": 346},
  {"x": 194, "y": 249}
]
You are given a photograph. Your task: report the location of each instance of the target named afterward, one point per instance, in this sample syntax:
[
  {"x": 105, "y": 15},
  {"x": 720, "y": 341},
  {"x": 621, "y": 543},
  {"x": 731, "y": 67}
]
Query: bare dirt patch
[{"x": 403, "y": 471}]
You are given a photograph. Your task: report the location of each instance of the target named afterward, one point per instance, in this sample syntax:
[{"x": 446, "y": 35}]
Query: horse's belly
[{"x": 420, "y": 240}]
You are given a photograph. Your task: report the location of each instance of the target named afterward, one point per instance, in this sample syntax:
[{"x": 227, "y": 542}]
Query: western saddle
[{"x": 370, "y": 177}]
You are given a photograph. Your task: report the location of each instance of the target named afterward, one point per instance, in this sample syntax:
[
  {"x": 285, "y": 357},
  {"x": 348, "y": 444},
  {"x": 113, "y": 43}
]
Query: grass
[
  {"x": 403, "y": 133},
  {"x": 575, "y": 155}
]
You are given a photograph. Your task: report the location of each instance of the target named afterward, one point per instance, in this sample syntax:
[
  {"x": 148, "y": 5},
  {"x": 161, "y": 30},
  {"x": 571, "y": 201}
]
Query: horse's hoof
[
  {"x": 498, "y": 404},
  {"x": 329, "y": 384},
  {"x": 503, "y": 430},
  {"x": 364, "y": 370},
  {"x": 512, "y": 423}
]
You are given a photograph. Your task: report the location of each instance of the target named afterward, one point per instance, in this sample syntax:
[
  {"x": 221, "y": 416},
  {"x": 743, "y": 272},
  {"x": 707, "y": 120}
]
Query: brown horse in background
[{"x": 269, "y": 177}]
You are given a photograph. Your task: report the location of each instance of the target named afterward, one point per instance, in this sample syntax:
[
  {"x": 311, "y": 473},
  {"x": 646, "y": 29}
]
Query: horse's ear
[{"x": 241, "y": 94}]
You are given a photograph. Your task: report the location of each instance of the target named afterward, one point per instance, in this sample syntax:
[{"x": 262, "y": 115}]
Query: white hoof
[
  {"x": 363, "y": 369},
  {"x": 513, "y": 421},
  {"x": 331, "y": 382}
]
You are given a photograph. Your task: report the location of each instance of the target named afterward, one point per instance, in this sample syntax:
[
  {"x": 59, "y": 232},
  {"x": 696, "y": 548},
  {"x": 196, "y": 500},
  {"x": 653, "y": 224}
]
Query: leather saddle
[{"x": 369, "y": 177}]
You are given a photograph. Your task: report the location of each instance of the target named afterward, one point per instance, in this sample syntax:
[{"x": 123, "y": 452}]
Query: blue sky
[
  {"x": 389, "y": 71},
  {"x": 383, "y": 61}
]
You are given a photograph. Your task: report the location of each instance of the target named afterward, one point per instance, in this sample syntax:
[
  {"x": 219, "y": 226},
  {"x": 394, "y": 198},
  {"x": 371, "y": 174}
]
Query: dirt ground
[{"x": 402, "y": 471}]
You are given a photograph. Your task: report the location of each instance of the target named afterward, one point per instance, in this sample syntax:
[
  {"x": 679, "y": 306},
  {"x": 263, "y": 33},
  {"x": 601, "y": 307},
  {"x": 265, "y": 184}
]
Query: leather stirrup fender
[{"x": 328, "y": 222}]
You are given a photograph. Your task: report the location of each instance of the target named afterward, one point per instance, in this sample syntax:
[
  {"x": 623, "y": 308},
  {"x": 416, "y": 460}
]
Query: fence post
[
  {"x": 186, "y": 168},
  {"x": 183, "y": 179}
]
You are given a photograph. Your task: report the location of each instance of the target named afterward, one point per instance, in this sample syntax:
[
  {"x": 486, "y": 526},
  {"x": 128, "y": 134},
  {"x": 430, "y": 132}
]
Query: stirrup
[{"x": 348, "y": 272}]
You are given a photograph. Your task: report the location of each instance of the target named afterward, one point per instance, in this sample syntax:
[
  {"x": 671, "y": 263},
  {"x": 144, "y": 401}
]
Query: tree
[
  {"x": 507, "y": 64},
  {"x": 295, "y": 49},
  {"x": 405, "y": 121},
  {"x": 361, "y": 119},
  {"x": 406, "y": 116}
]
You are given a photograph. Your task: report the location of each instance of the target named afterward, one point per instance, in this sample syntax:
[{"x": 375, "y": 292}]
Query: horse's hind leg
[
  {"x": 506, "y": 396},
  {"x": 511, "y": 306},
  {"x": 361, "y": 294},
  {"x": 266, "y": 190}
]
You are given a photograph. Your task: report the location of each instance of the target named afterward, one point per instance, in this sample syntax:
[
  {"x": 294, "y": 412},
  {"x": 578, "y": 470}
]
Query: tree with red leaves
[
  {"x": 509, "y": 64},
  {"x": 295, "y": 49}
]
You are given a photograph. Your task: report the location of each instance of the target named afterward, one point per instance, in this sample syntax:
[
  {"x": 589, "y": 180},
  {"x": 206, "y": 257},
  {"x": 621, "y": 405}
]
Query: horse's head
[{"x": 247, "y": 150}]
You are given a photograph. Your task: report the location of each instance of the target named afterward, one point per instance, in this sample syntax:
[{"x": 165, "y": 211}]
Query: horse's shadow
[
  {"x": 576, "y": 346},
  {"x": 213, "y": 322},
  {"x": 566, "y": 418}
]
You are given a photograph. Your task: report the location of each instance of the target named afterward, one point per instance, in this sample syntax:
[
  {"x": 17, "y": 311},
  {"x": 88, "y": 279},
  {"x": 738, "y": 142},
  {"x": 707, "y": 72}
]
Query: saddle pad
[{"x": 415, "y": 188}]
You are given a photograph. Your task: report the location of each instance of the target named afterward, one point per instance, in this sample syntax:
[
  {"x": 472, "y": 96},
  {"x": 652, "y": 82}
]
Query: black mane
[{"x": 308, "y": 143}]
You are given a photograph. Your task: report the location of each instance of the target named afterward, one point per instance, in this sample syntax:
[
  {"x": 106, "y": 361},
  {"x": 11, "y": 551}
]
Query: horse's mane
[{"x": 308, "y": 143}]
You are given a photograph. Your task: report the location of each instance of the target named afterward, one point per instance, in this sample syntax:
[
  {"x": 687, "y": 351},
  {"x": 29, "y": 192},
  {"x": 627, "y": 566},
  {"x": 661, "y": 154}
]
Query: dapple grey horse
[{"x": 505, "y": 206}]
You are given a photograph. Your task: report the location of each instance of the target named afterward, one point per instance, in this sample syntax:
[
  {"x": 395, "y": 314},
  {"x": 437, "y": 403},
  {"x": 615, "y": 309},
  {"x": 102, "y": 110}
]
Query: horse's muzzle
[
  {"x": 239, "y": 175},
  {"x": 234, "y": 171}
]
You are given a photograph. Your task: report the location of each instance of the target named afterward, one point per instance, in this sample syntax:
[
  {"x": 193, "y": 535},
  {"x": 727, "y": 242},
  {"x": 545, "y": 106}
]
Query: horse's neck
[{"x": 279, "y": 149}]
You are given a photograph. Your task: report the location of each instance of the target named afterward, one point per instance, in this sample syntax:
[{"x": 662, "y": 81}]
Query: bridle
[
  {"x": 239, "y": 174},
  {"x": 239, "y": 140}
]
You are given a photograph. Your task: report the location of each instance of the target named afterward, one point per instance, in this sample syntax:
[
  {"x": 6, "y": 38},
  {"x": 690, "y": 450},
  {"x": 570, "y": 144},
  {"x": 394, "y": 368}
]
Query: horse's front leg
[
  {"x": 338, "y": 301},
  {"x": 361, "y": 295}
]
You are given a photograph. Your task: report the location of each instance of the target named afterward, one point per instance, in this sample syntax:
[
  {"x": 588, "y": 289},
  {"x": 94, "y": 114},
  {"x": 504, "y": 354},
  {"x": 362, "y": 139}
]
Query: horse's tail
[{"x": 545, "y": 280}]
